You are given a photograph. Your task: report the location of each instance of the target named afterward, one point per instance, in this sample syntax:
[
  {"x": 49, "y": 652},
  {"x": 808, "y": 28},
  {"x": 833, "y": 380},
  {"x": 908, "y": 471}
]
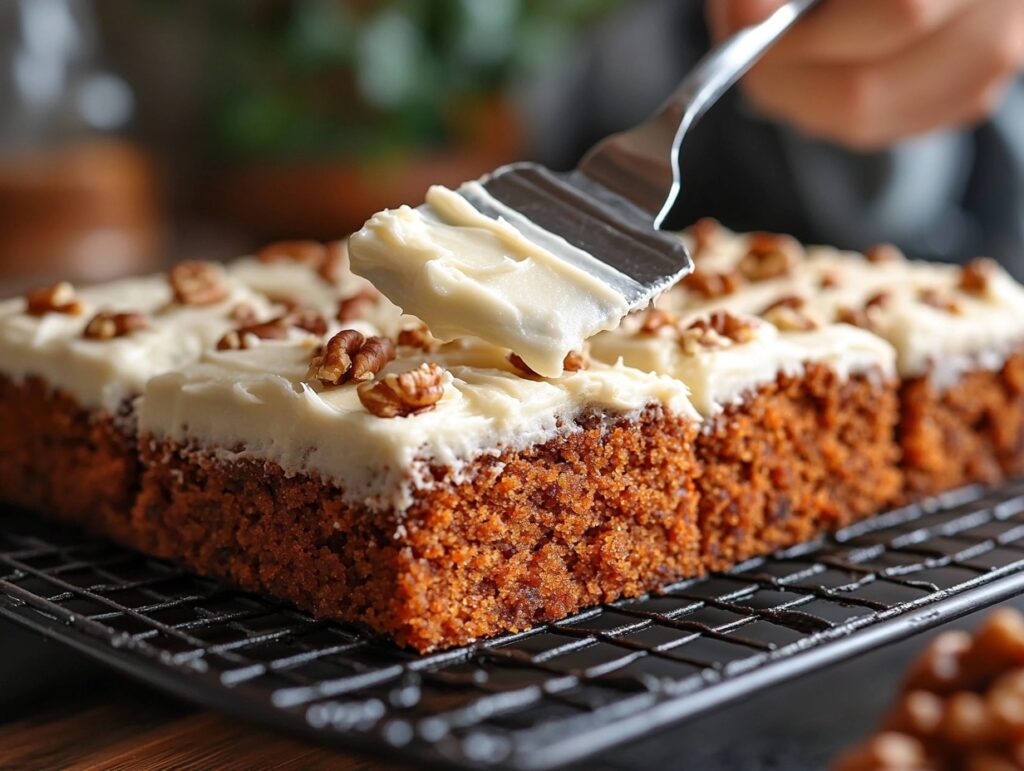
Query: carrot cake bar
[
  {"x": 798, "y": 422},
  {"x": 71, "y": 362},
  {"x": 958, "y": 334},
  {"x": 435, "y": 494}
]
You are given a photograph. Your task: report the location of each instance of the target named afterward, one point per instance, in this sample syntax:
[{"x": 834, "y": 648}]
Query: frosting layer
[{"x": 467, "y": 274}]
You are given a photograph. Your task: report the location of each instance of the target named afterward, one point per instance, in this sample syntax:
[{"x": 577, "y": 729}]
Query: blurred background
[{"x": 137, "y": 131}]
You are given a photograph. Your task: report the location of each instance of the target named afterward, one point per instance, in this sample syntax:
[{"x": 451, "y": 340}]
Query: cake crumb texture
[
  {"x": 798, "y": 457},
  {"x": 64, "y": 461},
  {"x": 531, "y": 536}
]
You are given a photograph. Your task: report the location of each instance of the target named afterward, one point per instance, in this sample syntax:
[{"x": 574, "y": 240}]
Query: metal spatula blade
[{"x": 614, "y": 203}]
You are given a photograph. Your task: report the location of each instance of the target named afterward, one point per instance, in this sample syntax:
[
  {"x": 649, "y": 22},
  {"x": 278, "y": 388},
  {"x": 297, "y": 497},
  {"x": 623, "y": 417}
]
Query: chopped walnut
[
  {"x": 770, "y": 255},
  {"x": 829, "y": 280},
  {"x": 403, "y": 394},
  {"x": 306, "y": 252},
  {"x": 244, "y": 314},
  {"x": 704, "y": 231},
  {"x": 712, "y": 285},
  {"x": 718, "y": 330},
  {"x": 976, "y": 276},
  {"x": 241, "y": 338},
  {"x": 962, "y": 705},
  {"x": 417, "y": 335},
  {"x": 58, "y": 298},
  {"x": 349, "y": 355},
  {"x": 574, "y": 361},
  {"x": 355, "y": 307},
  {"x": 789, "y": 318},
  {"x": 195, "y": 282},
  {"x": 885, "y": 253},
  {"x": 334, "y": 262},
  {"x": 107, "y": 325},
  {"x": 309, "y": 319},
  {"x": 879, "y": 300},
  {"x": 937, "y": 299},
  {"x": 656, "y": 319},
  {"x": 856, "y": 317},
  {"x": 790, "y": 301}
]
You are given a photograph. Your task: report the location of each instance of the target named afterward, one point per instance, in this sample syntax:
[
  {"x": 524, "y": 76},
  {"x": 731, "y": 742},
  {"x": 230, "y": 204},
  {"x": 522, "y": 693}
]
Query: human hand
[{"x": 868, "y": 73}]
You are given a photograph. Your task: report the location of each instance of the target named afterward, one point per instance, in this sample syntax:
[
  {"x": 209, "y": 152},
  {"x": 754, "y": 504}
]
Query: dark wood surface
[{"x": 60, "y": 710}]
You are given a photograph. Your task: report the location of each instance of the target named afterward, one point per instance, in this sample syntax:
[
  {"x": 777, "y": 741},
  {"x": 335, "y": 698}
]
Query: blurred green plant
[{"x": 292, "y": 79}]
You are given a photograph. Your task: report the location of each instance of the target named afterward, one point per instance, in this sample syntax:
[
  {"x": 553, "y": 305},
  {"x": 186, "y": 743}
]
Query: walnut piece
[
  {"x": 656, "y": 319},
  {"x": 305, "y": 252},
  {"x": 107, "y": 325},
  {"x": 704, "y": 232},
  {"x": 885, "y": 253},
  {"x": 349, "y": 355},
  {"x": 417, "y": 335},
  {"x": 977, "y": 275},
  {"x": 241, "y": 338},
  {"x": 961, "y": 706},
  {"x": 355, "y": 307},
  {"x": 57, "y": 298},
  {"x": 940, "y": 301},
  {"x": 711, "y": 285},
  {"x": 829, "y": 280},
  {"x": 720, "y": 329},
  {"x": 574, "y": 361},
  {"x": 329, "y": 260},
  {"x": 196, "y": 282},
  {"x": 309, "y": 319},
  {"x": 405, "y": 393},
  {"x": 770, "y": 255},
  {"x": 244, "y": 314},
  {"x": 789, "y": 317}
]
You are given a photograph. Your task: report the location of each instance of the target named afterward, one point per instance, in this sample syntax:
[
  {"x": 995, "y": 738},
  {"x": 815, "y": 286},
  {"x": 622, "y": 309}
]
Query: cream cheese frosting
[
  {"x": 929, "y": 339},
  {"x": 101, "y": 374},
  {"x": 260, "y": 403},
  {"x": 468, "y": 274},
  {"x": 721, "y": 376}
]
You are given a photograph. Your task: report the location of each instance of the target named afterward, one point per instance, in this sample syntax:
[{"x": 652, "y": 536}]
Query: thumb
[{"x": 726, "y": 16}]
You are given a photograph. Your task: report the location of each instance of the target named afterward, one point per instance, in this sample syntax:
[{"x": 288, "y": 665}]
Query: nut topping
[
  {"x": 406, "y": 393},
  {"x": 244, "y": 314},
  {"x": 334, "y": 262},
  {"x": 656, "y": 319},
  {"x": 417, "y": 335},
  {"x": 829, "y": 281},
  {"x": 885, "y": 253},
  {"x": 58, "y": 298},
  {"x": 718, "y": 330},
  {"x": 355, "y": 307},
  {"x": 309, "y": 319},
  {"x": 704, "y": 232},
  {"x": 241, "y": 338},
  {"x": 770, "y": 255},
  {"x": 789, "y": 315},
  {"x": 574, "y": 361},
  {"x": 936, "y": 299},
  {"x": 195, "y": 282},
  {"x": 712, "y": 285},
  {"x": 107, "y": 325},
  {"x": 305, "y": 252},
  {"x": 351, "y": 356},
  {"x": 976, "y": 275}
]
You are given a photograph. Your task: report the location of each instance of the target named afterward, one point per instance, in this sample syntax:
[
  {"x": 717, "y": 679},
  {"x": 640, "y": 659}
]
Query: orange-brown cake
[
  {"x": 958, "y": 334},
  {"x": 71, "y": 362},
  {"x": 798, "y": 423},
  {"x": 450, "y": 497}
]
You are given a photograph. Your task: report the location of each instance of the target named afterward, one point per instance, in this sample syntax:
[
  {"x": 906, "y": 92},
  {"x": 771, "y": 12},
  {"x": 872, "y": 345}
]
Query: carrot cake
[
  {"x": 798, "y": 422},
  {"x": 958, "y": 334},
  {"x": 71, "y": 362},
  {"x": 437, "y": 495}
]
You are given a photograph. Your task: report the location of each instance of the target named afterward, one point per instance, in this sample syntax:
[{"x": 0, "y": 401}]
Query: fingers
[
  {"x": 951, "y": 77},
  {"x": 842, "y": 30}
]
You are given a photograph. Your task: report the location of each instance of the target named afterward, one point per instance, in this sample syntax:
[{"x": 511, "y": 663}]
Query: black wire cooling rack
[{"x": 527, "y": 701}]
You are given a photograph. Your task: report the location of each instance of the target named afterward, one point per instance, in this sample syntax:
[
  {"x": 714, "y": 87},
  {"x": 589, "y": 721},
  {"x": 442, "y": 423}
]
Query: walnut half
[
  {"x": 574, "y": 361},
  {"x": 107, "y": 325},
  {"x": 349, "y": 355},
  {"x": 405, "y": 393},
  {"x": 719, "y": 329},
  {"x": 57, "y": 298},
  {"x": 196, "y": 282}
]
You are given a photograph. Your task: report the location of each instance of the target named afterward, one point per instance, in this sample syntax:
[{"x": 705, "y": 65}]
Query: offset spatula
[{"x": 613, "y": 204}]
